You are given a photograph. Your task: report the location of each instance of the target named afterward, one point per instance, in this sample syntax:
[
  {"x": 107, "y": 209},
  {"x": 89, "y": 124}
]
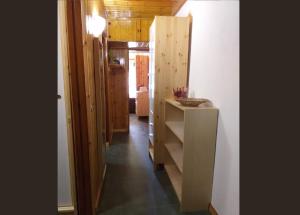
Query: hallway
[{"x": 131, "y": 185}]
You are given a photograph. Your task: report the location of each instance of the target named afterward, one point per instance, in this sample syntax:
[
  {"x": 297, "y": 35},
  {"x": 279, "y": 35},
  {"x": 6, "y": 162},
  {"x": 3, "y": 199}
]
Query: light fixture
[{"x": 95, "y": 25}]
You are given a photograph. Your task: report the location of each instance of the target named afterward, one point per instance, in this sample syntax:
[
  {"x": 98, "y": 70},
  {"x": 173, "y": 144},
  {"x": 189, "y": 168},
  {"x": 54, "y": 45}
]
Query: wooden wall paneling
[
  {"x": 142, "y": 8},
  {"x": 100, "y": 110},
  {"x": 145, "y": 24},
  {"x": 62, "y": 10},
  {"x": 95, "y": 6},
  {"x": 109, "y": 122},
  {"x": 120, "y": 98},
  {"x": 91, "y": 103},
  {"x": 138, "y": 8},
  {"x": 79, "y": 108},
  {"x": 123, "y": 30},
  {"x": 87, "y": 8},
  {"x": 119, "y": 92},
  {"x": 131, "y": 29}
]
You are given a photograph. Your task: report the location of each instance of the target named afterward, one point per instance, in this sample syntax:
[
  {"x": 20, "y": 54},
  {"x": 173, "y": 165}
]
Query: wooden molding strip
[
  {"x": 177, "y": 7},
  {"x": 79, "y": 108},
  {"x": 212, "y": 210},
  {"x": 65, "y": 210},
  {"x": 66, "y": 75},
  {"x": 120, "y": 130},
  {"x": 100, "y": 187}
]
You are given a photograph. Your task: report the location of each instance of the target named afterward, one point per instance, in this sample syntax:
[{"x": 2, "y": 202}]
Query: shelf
[
  {"x": 151, "y": 152},
  {"x": 175, "y": 178},
  {"x": 176, "y": 152},
  {"x": 177, "y": 128},
  {"x": 116, "y": 66},
  {"x": 151, "y": 139},
  {"x": 176, "y": 104}
]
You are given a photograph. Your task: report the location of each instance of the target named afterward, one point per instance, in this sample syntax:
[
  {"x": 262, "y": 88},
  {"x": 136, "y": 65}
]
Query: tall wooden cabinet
[{"x": 168, "y": 46}]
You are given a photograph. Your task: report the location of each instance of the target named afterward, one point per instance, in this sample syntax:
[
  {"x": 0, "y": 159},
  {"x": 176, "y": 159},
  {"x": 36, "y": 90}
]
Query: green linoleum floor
[{"x": 131, "y": 185}]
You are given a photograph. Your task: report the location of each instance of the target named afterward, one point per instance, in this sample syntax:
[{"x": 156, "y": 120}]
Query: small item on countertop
[{"x": 180, "y": 92}]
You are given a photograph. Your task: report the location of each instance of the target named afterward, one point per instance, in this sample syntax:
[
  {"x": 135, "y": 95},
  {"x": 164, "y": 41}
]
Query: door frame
[{"x": 78, "y": 108}]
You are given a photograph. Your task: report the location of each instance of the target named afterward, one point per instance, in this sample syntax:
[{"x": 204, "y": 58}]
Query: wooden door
[{"x": 142, "y": 70}]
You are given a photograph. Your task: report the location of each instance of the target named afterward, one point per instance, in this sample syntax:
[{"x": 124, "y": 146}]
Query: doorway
[{"x": 138, "y": 83}]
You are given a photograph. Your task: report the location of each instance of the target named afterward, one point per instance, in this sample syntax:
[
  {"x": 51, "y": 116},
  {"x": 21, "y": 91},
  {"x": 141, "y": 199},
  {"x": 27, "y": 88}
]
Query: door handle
[{"x": 58, "y": 96}]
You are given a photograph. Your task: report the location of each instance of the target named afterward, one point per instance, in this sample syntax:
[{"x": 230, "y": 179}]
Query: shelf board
[
  {"x": 151, "y": 139},
  {"x": 176, "y": 152},
  {"x": 151, "y": 152},
  {"x": 175, "y": 178},
  {"x": 177, "y": 127}
]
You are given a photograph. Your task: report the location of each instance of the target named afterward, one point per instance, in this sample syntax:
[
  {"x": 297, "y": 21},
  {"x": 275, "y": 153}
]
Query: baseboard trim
[
  {"x": 120, "y": 130},
  {"x": 66, "y": 210},
  {"x": 212, "y": 210},
  {"x": 100, "y": 188},
  {"x": 104, "y": 173}
]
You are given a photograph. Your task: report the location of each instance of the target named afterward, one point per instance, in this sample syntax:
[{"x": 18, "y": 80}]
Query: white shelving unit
[{"x": 189, "y": 143}]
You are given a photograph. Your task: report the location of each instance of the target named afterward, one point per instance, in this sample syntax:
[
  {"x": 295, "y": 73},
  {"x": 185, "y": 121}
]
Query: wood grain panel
[
  {"x": 93, "y": 70},
  {"x": 171, "y": 40},
  {"x": 142, "y": 70},
  {"x": 79, "y": 108},
  {"x": 109, "y": 121},
  {"x": 123, "y": 30},
  {"x": 119, "y": 91},
  {"x": 131, "y": 29},
  {"x": 140, "y": 8},
  {"x": 145, "y": 24},
  {"x": 100, "y": 112}
]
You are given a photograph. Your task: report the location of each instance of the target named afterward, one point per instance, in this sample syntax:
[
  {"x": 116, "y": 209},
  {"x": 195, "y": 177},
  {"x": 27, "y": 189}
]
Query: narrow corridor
[{"x": 131, "y": 185}]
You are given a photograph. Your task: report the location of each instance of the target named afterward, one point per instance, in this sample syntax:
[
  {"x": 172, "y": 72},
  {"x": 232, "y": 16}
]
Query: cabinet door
[
  {"x": 123, "y": 30},
  {"x": 145, "y": 24}
]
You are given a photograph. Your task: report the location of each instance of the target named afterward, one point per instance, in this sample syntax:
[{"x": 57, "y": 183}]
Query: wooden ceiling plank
[{"x": 140, "y": 8}]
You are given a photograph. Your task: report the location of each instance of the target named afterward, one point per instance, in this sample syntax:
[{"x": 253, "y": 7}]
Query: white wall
[
  {"x": 214, "y": 74},
  {"x": 63, "y": 170}
]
